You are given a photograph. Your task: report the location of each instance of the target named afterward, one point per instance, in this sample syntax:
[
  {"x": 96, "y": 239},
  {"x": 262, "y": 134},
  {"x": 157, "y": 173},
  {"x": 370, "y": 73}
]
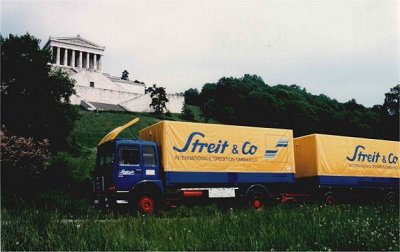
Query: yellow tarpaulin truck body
[
  {"x": 347, "y": 161},
  {"x": 211, "y": 153}
]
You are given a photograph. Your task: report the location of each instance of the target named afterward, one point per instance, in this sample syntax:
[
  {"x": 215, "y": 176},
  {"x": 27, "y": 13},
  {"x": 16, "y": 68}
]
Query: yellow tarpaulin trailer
[
  {"x": 222, "y": 153},
  {"x": 347, "y": 161}
]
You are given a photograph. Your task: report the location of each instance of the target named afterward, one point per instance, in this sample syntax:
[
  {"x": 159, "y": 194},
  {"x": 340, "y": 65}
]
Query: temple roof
[{"x": 77, "y": 40}]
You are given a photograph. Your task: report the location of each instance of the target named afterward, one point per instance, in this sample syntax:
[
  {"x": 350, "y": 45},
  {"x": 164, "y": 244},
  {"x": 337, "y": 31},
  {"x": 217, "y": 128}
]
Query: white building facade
[{"x": 82, "y": 60}]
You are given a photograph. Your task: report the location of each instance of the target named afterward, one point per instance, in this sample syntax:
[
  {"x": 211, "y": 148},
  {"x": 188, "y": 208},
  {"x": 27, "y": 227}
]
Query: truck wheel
[
  {"x": 257, "y": 200},
  {"x": 391, "y": 197},
  {"x": 146, "y": 203},
  {"x": 329, "y": 199}
]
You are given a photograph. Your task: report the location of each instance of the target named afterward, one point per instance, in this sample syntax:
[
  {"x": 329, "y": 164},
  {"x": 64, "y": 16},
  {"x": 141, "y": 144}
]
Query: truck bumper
[{"x": 109, "y": 200}]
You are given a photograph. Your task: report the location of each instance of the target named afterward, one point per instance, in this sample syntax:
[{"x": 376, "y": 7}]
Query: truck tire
[
  {"x": 391, "y": 197},
  {"x": 329, "y": 199},
  {"x": 257, "y": 199},
  {"x": 146, "y": 203}
]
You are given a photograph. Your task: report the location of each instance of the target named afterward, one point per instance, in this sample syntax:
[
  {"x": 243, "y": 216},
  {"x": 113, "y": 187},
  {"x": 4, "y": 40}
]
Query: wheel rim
[
  {"x": 257, "y": 204},
  {"x": 146, "y": 204},
  {"x": 257, "y": 201},
  {"x": 391, "y": 198},
  {"x": 330, "y": 200}
]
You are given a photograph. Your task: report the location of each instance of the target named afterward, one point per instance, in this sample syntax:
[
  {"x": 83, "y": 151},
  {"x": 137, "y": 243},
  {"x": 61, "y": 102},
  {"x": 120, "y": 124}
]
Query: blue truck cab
[{"x": 128, "y": 171}]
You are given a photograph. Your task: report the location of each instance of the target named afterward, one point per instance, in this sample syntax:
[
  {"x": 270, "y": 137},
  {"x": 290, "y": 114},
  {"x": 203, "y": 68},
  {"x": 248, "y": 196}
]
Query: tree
[
  {"x": 34, "y": 97},
  {"x": 125, "y": 75},
  {"x": 390, "y": 114},
  {"x": 192, "y": 96},
  {"x": 158, "y": 99},
  {"x": 207, "y": 100},
  {"x": 391, "y": 104}
]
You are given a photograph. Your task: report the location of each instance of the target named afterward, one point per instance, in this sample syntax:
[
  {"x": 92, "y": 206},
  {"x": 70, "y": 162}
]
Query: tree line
[{"x": 249, "y": 101}]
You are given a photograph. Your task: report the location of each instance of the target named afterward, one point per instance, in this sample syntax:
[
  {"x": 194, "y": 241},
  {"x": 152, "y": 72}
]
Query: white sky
[{"x": 344, "y": 49}]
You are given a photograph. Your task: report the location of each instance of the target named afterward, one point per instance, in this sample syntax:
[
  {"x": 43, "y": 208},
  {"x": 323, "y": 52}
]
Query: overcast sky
[{"x": 344, "y": 49}]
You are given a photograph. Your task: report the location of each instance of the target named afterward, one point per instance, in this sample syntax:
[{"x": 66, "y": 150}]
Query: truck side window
[
  {"x": 129, "y": 156},
  {"x": 105, "y": 155},
  {"x": 149, "y": 156}
]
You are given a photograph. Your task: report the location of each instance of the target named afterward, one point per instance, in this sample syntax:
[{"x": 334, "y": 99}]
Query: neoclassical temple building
[{"x": 95, "y": 90}]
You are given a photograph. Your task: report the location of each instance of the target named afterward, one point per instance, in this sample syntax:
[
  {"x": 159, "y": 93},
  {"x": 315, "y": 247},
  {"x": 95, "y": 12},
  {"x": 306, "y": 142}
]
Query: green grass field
[
  {"x": 64, "y": 219},
  {"x": 282, "y": 227}
]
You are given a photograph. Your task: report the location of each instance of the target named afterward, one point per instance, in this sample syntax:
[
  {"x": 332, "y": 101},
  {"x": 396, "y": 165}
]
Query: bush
[
  {"x": 168, "y": 113},
  {"x": 23, "y": 163},
  {"x": 187, "y": 113},
  {"x": 58, "y": 173}
]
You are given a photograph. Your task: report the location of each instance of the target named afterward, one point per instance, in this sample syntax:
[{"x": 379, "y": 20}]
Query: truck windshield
[{"x": 129, "y": 155}]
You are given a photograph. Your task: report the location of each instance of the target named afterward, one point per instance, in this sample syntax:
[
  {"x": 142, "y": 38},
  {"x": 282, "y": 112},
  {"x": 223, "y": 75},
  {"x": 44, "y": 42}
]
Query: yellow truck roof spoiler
[{"x": 115, "y": 132}]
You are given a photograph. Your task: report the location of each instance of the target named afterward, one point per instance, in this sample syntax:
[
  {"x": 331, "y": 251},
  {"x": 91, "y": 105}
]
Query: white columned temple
[
  {"x": 95, "y": 90},
  {"x": 73, "y": 50}
]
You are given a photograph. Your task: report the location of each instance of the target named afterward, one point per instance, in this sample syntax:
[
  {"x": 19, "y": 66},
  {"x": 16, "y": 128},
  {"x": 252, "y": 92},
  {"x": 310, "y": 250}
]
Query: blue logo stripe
[
  {"x": 281, "y": 143},
  {"x": 270, "y": 154}
]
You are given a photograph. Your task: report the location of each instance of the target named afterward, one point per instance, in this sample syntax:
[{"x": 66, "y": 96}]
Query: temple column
[
  {"x": 65, "y": 63},
  {"x": 52, "y": 54},
  {"x": 94, "y": 61},
  {"x": 73, "y": 59},
  {"x": 99, "y": 67},
  {"x": 80, "y": 59},
  {"x": 87, "y": 61},
  {"x": 58, "y": 56}
]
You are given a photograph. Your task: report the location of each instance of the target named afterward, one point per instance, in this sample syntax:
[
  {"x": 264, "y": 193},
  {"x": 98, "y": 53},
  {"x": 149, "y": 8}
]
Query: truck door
[
  {"x": 150, "y": 162},
  {"x": 129, "y": 170}
]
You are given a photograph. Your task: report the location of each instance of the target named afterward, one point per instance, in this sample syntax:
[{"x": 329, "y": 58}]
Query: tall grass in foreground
[{"x": 283, "y": 227}]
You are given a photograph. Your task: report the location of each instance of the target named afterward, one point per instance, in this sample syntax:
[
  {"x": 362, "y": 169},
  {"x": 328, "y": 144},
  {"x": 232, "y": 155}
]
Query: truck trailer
[
  {"x": 173, "y": 162},
  {"x": 339, "y": 167}
]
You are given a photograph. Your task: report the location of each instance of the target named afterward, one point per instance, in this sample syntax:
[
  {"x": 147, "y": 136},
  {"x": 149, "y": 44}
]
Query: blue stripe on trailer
[
  {"x": 358, "y": 181},
  {"x": 227, "y": 177}
]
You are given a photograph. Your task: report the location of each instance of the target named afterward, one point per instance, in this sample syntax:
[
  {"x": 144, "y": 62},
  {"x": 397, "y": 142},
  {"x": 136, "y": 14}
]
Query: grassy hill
[{"x": 93, "y": 126}]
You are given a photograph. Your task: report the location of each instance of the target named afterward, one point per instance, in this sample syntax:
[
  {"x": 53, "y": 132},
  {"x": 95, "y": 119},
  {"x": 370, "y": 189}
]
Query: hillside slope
[{"x": 92, "y": 126}]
